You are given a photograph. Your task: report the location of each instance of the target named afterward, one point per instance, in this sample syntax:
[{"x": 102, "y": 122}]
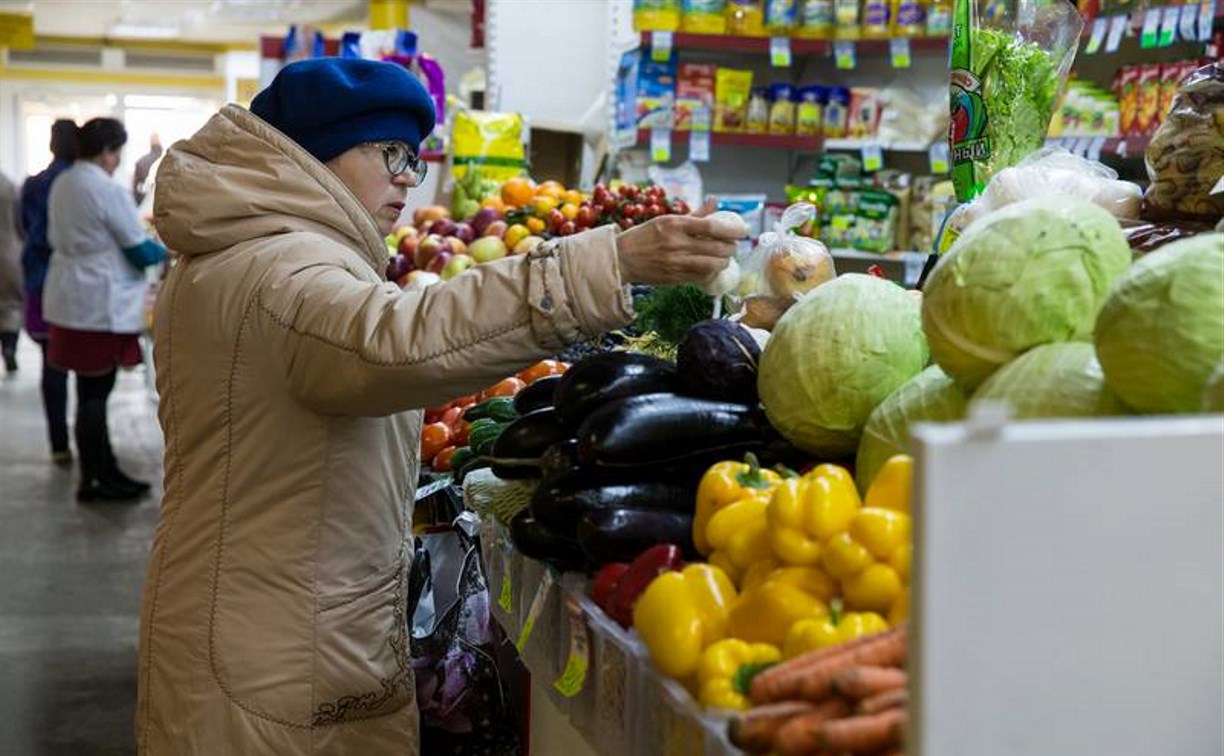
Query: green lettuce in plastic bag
[{"x": 1009, "y": 61}]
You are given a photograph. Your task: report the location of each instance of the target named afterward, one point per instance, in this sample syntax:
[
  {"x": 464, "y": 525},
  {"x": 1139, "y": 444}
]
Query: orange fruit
[
  {"x": 569, "y": 210},
  {"x": 536, "y": 225},
  {"x": 505, "y": 387},
  {"x": 543, "y": 204},
  {"x": 551, "y": 189},
  {"x": 517, "y": 192},
  {"x": 515, "y": 234},
  {"x": 574, "y": 196}
]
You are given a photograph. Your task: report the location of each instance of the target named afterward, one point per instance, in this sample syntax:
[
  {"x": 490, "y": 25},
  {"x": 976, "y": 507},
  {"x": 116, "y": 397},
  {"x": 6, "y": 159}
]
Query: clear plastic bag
[
  {"x": 1052, "y": 170},
  {"x": 785, "y": 264},
  {"x": 1185, "y": 159}
]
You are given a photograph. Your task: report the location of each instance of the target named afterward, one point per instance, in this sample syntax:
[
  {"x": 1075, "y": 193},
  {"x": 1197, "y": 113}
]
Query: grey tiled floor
[{"x": 70, "y": 578}]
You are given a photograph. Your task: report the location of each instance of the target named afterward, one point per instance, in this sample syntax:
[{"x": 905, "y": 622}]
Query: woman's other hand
[{"x": 675, "y": 249}]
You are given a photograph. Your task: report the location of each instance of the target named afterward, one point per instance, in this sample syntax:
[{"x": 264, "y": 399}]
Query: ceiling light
[{"x": 142, "y": 31}]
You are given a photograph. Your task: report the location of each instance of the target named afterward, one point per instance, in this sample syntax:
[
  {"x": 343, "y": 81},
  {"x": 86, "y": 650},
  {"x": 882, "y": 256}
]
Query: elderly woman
[{"x": 291, "y": 375}]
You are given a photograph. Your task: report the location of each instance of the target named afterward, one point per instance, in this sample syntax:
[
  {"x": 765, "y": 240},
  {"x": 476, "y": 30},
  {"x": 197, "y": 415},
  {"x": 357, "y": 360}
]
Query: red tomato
[
  {"x": 630, "y": 191},
  {"x": 442, "y": 460},
  {"x": 507, "y": 387},
  {"x": 653, "y": 210},
  {"x": 459, "y": 433},
  {"x": 434, "y": 414},
  {"x": 625, "y": 223},
  {"x": 680, "y": 207},
  {"x": 585, "y": 217},
  {"x": 541, "y": 369},
  {"x": 434, "y": 438},
  {"x": 452, "y": 417}
]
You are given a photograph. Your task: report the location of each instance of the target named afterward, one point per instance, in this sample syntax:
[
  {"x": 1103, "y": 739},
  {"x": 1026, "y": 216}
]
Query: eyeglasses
[{"x": 399, "y": 158}]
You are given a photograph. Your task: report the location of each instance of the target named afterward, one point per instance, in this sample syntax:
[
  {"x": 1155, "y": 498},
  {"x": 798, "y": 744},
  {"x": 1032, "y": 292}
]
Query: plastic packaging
[
  {"x": 837, "y": 113},
  {"x": 758, "y": 111},
  {"x": 746, "y": 18},
  {"x": 656, "y": 94},
  {"x": 1007, "y": 69},
  {"x": 493, "y": 141},
  {"x": 656, "y": 15},
  {"x": 694, "y": 90},
  {"x": 909, "y": 18},
  {"x": 1185, "y": 159},
  {"x": 939, "y": 18},
  {"x": 786, "y": 264},
  {"x": 780, "y": 16},
  {"x": 864, "y": 117},
  {"x": 731, "y": 91},
  {"x": 684, "y": 181},
  {"x": 809, "y": 111},
  {"x": 781, "y": 109},
  {"x": 1149, "y": 100},
  {"x": 815, "y": 19},
  {"x": 1052, "y": 170},
  {"x": 704, "y": 17},
  {"x": 876, "y": 19}
]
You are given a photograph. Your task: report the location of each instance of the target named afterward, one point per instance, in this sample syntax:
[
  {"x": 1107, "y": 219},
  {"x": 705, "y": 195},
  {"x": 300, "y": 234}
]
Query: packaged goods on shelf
[
  {"x": 1185, "y": 160},
  {"x": 847, "y": 14},
  {"x": 836, "y": 113},
  {"x": 909, "y": 18},
  {"x": 694, "y": 89},
  {"x": 876, "y": 19},
  {"x": 656, "y": 15},
  {"x": 656, "y": 94},
  {"x": 732, "y": 90},
  {"x": 781, "y": 108},
  {"x": 746, "y": 18},
  {"x": 1086, "y": 110},
  {"x": 780, "y": 17},
  {"x": 704, "y": 17},
  {"x": 809, "y": 111},
  {"x": 757, "y": 119},
  {"x": 816, "y": 19}
]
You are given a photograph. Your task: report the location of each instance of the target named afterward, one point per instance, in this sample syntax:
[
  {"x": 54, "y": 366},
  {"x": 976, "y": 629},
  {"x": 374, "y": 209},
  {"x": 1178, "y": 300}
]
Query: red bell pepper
[
  {"x": 641, "y": 572},
  {"x": 605, "y": 582}
]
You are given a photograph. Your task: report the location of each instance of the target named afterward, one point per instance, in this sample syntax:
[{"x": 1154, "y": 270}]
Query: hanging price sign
[
  {"x": 660, "y": 46},
  {"x": 846, "y": 54},
  {"x": 660, "y": 145},
  {"x": 1117, "y": 27},
  {"x": 1099, "y": 27},
  {"x": 780, "y": 52},
  {"x": 899, "y": 51}
]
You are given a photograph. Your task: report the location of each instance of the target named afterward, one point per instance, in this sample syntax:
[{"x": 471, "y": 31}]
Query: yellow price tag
[
  {"x": 573, "y": 677},
  {"x": 504, "y": 601}
]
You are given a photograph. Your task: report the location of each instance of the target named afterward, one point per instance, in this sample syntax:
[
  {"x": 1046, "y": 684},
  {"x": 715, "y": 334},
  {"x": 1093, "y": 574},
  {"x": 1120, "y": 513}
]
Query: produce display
[
  {"x": 810, "y": 19},
  {"x": 510, "y": 218}
]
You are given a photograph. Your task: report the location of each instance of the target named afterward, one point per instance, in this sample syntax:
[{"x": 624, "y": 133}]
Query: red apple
[
  {"x": 398, "y": 266},
  {"x": 428, "y": 248},
  {"x": 496, "y": 228},
  {"x": 464, "y": 232},
  {"x": 408, "y": 244},
  {"x": 481, "y": 220},
  {"x": 439, "y": 261},
  {"x": 428, "y": 213},
  {"x": 456, "y": 265},
  {"x": 443, "y": 227},
  {"x": 567, "y": 228}
]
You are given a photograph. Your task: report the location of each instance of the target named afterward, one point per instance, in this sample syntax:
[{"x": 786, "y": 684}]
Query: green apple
[
  {"x": 487, "y": 248},
  {"x": 456, "y": 265}
]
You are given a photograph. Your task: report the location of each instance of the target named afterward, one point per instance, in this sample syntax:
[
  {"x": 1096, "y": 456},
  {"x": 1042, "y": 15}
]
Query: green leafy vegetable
[{"x": 670, "y": 311}]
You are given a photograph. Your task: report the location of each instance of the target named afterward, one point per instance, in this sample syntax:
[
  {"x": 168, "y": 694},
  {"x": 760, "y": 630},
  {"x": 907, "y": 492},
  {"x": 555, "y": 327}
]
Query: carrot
[
  {"x": 889, "y": 699},
  {"x": 864, "y": 682},
  {"x": 800, "y": 735},
  {"x": 813, "y": 681},
  {"x": 863, "y": 734},
  {"x": 754, "y": 730}
]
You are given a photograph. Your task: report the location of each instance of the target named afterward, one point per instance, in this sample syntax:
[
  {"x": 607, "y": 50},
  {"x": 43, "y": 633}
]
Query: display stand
[{"x": 1070, "y": 588}]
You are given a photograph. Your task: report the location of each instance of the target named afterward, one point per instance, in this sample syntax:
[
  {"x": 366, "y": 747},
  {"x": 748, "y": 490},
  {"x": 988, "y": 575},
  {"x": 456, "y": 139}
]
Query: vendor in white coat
[{"x": 94, "y": 295}]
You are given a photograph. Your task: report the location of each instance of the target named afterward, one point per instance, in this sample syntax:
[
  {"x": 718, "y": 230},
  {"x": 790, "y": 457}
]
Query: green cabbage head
[
  {"x": 1053, "y": 380},
  {"x": 930, "y": 396},
  {"x": 1035, "y": 272},
  {"x": 834, "y": 356},
  {"x": 1161, "y": 331}
]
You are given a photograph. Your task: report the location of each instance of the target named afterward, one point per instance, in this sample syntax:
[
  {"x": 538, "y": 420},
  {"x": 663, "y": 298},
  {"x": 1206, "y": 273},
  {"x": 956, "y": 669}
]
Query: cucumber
[
  {"x": 483, "y": 433},
  {"x": 499, "y": 408}
]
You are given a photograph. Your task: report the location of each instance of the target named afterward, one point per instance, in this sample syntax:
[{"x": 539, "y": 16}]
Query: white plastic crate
[
  {"x": 502, "y": 566},
  {"x": 616, "y": 670}
]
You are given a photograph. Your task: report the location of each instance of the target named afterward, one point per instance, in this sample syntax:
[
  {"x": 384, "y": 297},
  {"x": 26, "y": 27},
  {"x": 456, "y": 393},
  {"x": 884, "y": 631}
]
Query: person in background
[
  {"x": 94, "y": 295},
  {"x": 291, "y": 375},
  {"x": 34, "y": 261},
  {"x": 143, "y": 165},
  {"x": 11, "y": 295}
]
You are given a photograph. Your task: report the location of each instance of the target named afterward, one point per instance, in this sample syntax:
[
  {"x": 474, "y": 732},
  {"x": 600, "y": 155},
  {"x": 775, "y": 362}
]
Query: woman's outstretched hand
[{"x": 675, "y": 249}]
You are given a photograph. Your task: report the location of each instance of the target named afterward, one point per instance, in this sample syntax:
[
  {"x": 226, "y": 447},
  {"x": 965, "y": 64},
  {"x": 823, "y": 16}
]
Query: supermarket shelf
[
  {"x": 902, "y": 267},
  {"x": 760, "y": 45},
  {"x": 1127, "y": 147},
  {"x": 858, "y": 144},
  {"x": 777, "y": 141}
]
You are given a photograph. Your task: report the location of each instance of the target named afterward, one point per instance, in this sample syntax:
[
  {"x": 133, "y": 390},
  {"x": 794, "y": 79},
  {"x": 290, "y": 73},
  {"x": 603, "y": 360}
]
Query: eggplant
[
  {"x": 538, "y": 395},
  {"x": 534, "y": 540},
  {"x": 529, "y": 436},
  {"x": 512, "y": 471},
  {"x": 561, "y": 502},
  {"x": 559, "y": 459},
  {"x": 607, "y": 377},
  {"x": 717, "y": 359},
  {"x": 665, "y": 429},
  {"x": 620, "y": 535}
]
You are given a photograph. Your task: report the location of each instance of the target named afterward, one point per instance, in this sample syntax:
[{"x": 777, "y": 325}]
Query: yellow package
[
  {"x": 815, "y": 20},
  {"x": 809, "y": 112},
  {"x": 780, "y": 17},
  {"x": 746, "y": 18},
  {"x": 781, "y": 109},
  {"x": 732, "y": 87},
  {"x": 846, "y": 18},
  {"x": 704, "y": 17},
  {"x": 758, "y": 111},
  {"x": 656, "y": 15},
  {"x": 493, "y": 141}
]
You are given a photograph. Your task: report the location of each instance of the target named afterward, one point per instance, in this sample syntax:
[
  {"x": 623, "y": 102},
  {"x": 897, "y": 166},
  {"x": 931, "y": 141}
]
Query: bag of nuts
[{"x": 1185, "y": 159}]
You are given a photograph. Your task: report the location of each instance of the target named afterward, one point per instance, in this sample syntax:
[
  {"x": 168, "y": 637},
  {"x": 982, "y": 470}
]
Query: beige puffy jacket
[{"x": 274, "y": 618}]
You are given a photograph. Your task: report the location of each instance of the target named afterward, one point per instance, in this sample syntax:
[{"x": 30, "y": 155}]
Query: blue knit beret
[{"x": 328, "y": 105}]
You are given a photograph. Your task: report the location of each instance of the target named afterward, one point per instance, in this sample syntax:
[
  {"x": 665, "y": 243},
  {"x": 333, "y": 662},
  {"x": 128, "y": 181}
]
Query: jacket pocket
[{"x": 362, "y": 667}]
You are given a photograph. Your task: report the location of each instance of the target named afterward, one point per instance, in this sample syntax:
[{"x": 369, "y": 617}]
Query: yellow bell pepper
[
  {"x": 807, "y": 513},
  {"x": 813, "y": 634},
  {"x": 892, "y": 486},
  {"x": 724, "y": 484},
  {"x": 810, "y": 580},
  {"x": 871, "y": 560},
  {"x": 726, "y": 671},
  {"x": 763, "y": 613},
  {"x": 738, "y": 537},
  {"x": 680, "y": 613}
]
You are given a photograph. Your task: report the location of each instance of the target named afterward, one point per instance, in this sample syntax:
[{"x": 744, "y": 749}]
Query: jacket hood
[{"x": 239, "y": 179}]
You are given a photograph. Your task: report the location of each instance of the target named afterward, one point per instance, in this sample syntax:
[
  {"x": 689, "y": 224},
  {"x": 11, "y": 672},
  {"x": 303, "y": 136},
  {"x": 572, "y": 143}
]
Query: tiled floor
[{"x": 70, "y": 578}]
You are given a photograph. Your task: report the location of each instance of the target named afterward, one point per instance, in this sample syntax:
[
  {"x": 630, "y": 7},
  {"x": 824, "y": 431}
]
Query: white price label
[
  {"x": 1117, "y": 27},
  {"x": 1150, "y": 35},
  {"x": 1094, "y": 149},
  {"x": 1206, "y": 15},
  {"x": 699, "y": 146},
  {"x": 536, "y": 608},
  {"x": 938, "y": 154},
  {"x": 780, "y": 52},
  {"x": 1187, "y": 25},
  {"x": 660, "y": 145},
  {"x": 1123, "y": 149},
  {"x": 899, "y": 51},
  {"x": 873, "y": 157},
  {"x": 701, "y": 118},
  {"x": 845, "y": 53},
  {"x": 1168, "y": 25},
  {"x": 661, "y": 46},
  {"x": 1099, "y": 27}
]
